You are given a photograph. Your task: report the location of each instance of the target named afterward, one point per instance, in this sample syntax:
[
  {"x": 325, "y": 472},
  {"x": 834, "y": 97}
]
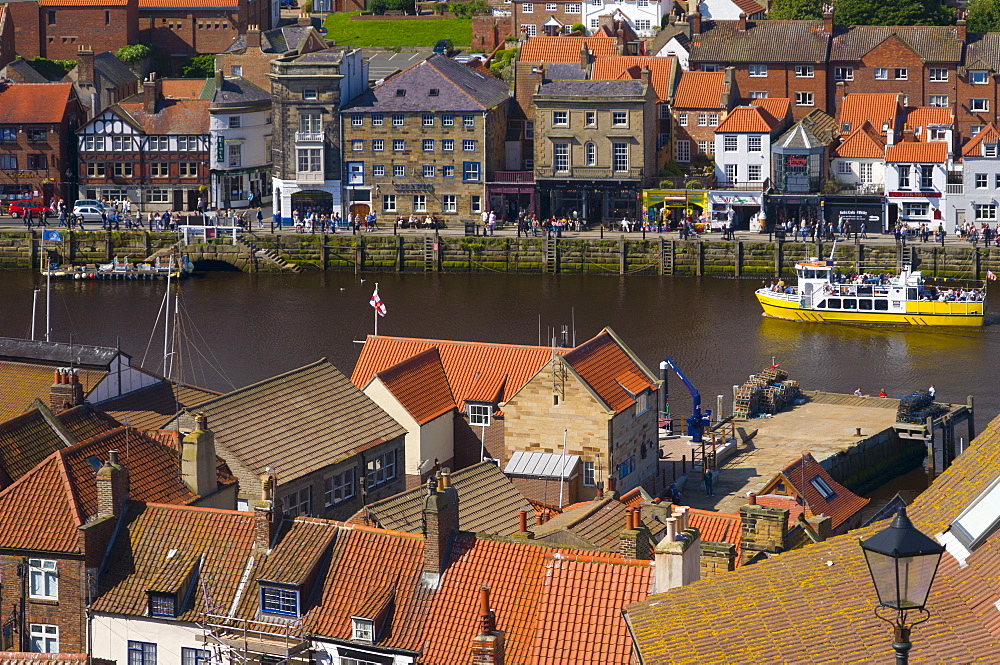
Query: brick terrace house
[
  {"x": 189, "y": 27},
  {"x": 151, "y": 148},
  {"x": 557, "y": 18},
  {"x": 37, "y": 121},
  {"x": 976, "y": 92},
  {"x": 959, "y": 510},
  {"x": 769, "y": 58},
  {"x": 328, "y": 447},
  {"x": 251, "y": 53},
  {"x": 702, "y": 101},
  {"x": 424, "y": 142},
  {"x": 55, "y": 29}
]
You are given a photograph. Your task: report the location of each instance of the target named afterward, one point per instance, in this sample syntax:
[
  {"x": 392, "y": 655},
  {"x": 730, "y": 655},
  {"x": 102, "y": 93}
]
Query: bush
[
  {"x": 671, "y": 169},
  {"x": 133, "y": 52},
  {"x": 198, "y": 67},
  {"x": 53, "y": 70},
  {"x": 579, "y": 27},
  {"x": 470, "y": 8},
  {"x": 382, "y": 6}
]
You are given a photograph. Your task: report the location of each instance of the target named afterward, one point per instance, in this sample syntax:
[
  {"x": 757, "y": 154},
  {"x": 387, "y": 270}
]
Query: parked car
[
  {"x": 89, "y": 202},
  {"x": 18, "y": 208},
  {"x": 444, "y": 47},
  {"x": 469, "y": 57},
  {"x": 89, "y": 213}
]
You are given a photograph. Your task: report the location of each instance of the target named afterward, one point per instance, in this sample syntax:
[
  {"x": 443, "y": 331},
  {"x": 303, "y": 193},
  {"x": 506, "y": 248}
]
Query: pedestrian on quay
[
  {"x": 707, "y": 478},
  {"x": 858, "y": 393},
  {"x": 932, "y": 392}
]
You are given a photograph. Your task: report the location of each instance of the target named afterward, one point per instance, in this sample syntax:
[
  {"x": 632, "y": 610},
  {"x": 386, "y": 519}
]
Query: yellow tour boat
[{"x": 902, "y": 299}]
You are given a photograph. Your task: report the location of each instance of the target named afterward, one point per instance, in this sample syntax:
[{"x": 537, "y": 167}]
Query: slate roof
[
  {"x": 488, "y": 503},
  {"x": 296, "y": 423},
  {"x": 862, "y": 143},
  {"x": 700, "y": 90},
  {"x": 236, "y": 91},
  {"x": 762, "y": 42},
  {"x": 566, "y": 71},
  {"x": 932, "y": 43},
  {"x": 460, "y": 88},
  {"x": 153, "y": 407},
  {"x": 56, "y": 354},
  {"x": 420, "y": 386},
  {"x": 662, "y": 71},
  {"x": 476, "y": 371},
  {"x": 824, "y": 591},
  {"x": 277, "y": 41},
  {"x": 21, "y": 384},
  {"x": 611, "y": 370},
  {"x": 592, "y": 89},
  {"x": 876, "y": 108},
  {"x": 913, "y": 152},
  {"x": 565, "y": 48},
  {"x": 844, "y": 503},
  {"x": 24, "y": 71},
  {"x": 109, "y": 71},
  {"x": 990, "y": 134}
]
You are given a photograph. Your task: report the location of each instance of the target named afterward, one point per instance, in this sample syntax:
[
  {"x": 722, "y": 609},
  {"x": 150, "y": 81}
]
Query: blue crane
[{"x": 695, "y": 422}]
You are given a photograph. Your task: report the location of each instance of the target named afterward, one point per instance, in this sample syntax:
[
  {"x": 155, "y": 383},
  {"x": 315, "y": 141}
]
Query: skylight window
[
  {"x": 980, "y": 518},
  {"x": 94, "y": 462},
  {"x": 824, "y": 490}
]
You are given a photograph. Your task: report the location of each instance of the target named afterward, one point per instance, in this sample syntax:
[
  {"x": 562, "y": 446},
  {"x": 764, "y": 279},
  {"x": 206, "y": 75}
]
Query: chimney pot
[
  {"x": 741, "y": 23},
  {"x": 629, "y": 519},
  {"x": 524, "y": 521},
  {"x": 671, "y": 529},
  {"x": 484, "y": 600},
  {"x": 113, "y": 457},
  {"x": 637, "y": 516},
  {"x": 752, "y": 499}
]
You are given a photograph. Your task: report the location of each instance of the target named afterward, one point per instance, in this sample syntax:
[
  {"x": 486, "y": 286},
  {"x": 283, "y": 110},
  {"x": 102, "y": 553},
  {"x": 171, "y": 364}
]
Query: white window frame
[
  {"x": 979, "y": 105},
  {"x": 398, "y": 119},
  {"x": 427, "y": 120},
  {"x": 428, "y": 171},
  {"x": 560, "y": 157},
  {"x": 900, "y": 74},
  {"x": 985, "y": 212},
  {"x": 560, "y": 118},
  {"x": 682, "y": 151},
  {"x": 389, "y": 202},
  {"x": 480, "y": 415},
  {"x": 881, "y": 73},
  {"x": 804, "y": 98},
  {"x": 468, "y": 145},
  {"x": 843, "y": 73},
  {"x": 378, "y": 170},
  {"x": 589, "y": 474},
  {"x": 682, "y": 119},
  {"x": 419, "y": 203},
  {"x": 755, "y": 144},
  {"x": 46, "y": 573},
  {"x": 805, "y": 71},
  {"x": 845, "y": 167},
  {"x": 48, "y": 634},
  {"x": 357, "y": 120},
  {"x": 381, "y": 469},
  {"x": 399, "y": 170},
  {"x": 754, "y": 173},
  {"x": 449, "y": 203},
  {"x": 529, "y": 29},
  {"x": 979, "y": 77},
  {"x": 527, "y": 8},
  {"x": 732, "y": 173},
  {"x": 620, "y": 157},
  {"x": 619, "y": 118},
  {"x": 938, "y": 75},
  {"x": 589, "y": 154},
  {"x": 758, "y": 71},
  {"x": 362, "y": 630},
  {"x": 730, "y": 143}
]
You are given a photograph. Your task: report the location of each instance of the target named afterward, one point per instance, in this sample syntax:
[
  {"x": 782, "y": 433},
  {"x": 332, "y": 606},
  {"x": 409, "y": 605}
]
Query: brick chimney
[
  {"x": 253, "y": 36},
  {"x": 764, "y": 530},
  {"x": 440, "y": 523},
  {"x": 198, "y": 458},
  {"x": 828, "y": 23},
  {"x": 66, "y": 391},
  {"x": 645, "y": 76},
  {"x": 266, "y": 517},
  {"x": 488, "y": 645},
  {"x": 151, "y": 90},
  {"x": 741, "y": 22},
  {"x": 85, "y": 65},
  {"x": 112, "y": 487},
  {"x": 695, "y": 20},
  {"x": 960, "y": 30},
  {"x": 678, "y": 554},
  {"x": 584, "y": 58},
  {"x": 633, "y": 542}
]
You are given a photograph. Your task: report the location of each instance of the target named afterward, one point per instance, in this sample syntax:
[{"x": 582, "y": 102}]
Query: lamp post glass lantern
[{"x": 902, "y": 562}]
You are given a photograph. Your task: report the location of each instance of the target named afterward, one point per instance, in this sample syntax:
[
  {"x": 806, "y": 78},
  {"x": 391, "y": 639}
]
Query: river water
[{"x": 241, "y": 328}]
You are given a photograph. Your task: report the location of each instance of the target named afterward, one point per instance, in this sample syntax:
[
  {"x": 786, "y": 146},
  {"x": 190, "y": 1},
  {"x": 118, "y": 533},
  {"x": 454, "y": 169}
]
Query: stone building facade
[
  {"x": 240, "y": 129},
  {"x": 307, "y": 92},
  {"x": 424, "y": 142}
]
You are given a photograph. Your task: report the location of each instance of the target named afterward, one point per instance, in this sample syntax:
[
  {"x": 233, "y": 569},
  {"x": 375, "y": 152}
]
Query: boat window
[
  {"x": 882, "y": 305},
  {"x": 911, "y": 293},
  {"x": 864, "y": 304},
  {"x": 850, "y": 303},
  {"x": 821, "y": 304},
  {"x": 865, "y": 290},
  {"x": 833, "y": 303}
]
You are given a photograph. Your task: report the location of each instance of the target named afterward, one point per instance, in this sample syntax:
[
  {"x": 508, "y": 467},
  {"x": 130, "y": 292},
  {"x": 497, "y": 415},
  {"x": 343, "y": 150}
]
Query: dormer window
[
  {"x": 434, "y": 92},
  {"x": 278, "y": 600},
  {"x": 989, "y": 150},
  {"x": 162, "y": 605},
  {"x": 479, "y": 414},
  {"x": 363, "y": 630}
]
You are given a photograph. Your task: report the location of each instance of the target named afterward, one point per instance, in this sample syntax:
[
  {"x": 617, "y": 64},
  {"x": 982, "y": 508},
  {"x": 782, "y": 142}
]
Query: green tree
[
  {"x": 801, "y": 10},
  {"x": 984, "y": 15},
  {"x": 893, "y": 12},
  {"x": 133, "y": 52},
  {"x": 198, "y": 67}
]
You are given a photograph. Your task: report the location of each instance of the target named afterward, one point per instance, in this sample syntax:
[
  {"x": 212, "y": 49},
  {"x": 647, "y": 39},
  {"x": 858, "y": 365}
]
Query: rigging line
[
  {"x": 69, "y": 317},
  {"x": 218, "y": 364},
  {"x": 153, "y": 331}
]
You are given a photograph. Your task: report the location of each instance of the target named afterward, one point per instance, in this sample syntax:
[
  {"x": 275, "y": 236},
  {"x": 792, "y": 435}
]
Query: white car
[
  {"x": 93, "y": 203},
  {"x": 89, "y": 213}
]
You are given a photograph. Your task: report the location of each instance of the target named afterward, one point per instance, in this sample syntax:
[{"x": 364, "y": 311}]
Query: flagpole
[{"x": 375, "y": 309}]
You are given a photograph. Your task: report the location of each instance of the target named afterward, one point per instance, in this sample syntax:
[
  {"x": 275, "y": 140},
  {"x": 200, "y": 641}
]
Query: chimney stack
[
  {"x": 85, "y": 65},
  {"x": 112, "y": 487},
  {"x": 198, "y": 458},
  {"x": 151, "y": 93},
  {"x": 645, "y": 76},
  {"x": 488, "y": 645},
  {"x": 695, "y": 20},
  {"x": 961, "y": 30},
  {"x": 677, "y": 555},
  {"x": 828, "y": 22},
  {"x": 266, "y": 518},
  {"x": 440, "y": 523},
  {"x": 220, "y": 80},
  {"x": 66, "y": 391},
  {"x": 305, "y": 19},
  {"x": 523, "y": 526},
  {"x": 633, "y": 543},
  {"x": 741, "y": 22},
  {"x": 253, "y": 36}
]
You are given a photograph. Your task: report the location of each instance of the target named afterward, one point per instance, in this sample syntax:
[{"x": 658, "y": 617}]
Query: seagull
[
  {"x": 362, "y": 281},
  {"x": 342, "y": 289}
]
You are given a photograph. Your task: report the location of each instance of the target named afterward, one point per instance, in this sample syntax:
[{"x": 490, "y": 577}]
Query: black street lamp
[{"x": 902, "y": 562}]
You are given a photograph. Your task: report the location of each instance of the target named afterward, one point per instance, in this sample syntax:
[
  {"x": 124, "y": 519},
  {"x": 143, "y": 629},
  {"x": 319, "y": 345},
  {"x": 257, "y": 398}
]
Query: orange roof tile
[
  {"x": 27, "y": 658},
  {"x": 777, "y": 107},
  {"x": 749, "y": 7},
  {"x": 420, "y": 385},
  {"x": 862, "y": 143},
  {"x": 566, "y": 48},
  {"x": 82, "y": 3},
  {"x": 913, "y": 152},
  {"x": 717, "y": 527},
  {"x": 989, "y": 134},
  {"x": 747, "y": 119},
  {"x": 611, "y": 370},
  {"x": 700, "y": 90},
  {"x": 180, "y": 116},
  {"x": 181, "y": 88},
  {"x": 789, "y": 503},
  {"x": 661, "y": 71},
  {"x": 840, "y": 507},
  {"x": 922, "y": 116},
  {"x": 40, "y": 511},
  {"x": 476, "y": 371},
  {"x": 877, "y": 108},
  {"x": 34, "y": 102},
  {"x": 185, "y": 4},
  {"x": 22, "y": 383}
]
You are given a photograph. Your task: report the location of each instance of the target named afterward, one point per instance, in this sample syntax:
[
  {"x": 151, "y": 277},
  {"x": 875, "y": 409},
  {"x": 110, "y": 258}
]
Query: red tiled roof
[
  {"x": 789, "y": 503},
  {"x": 747, "y": 119},
  {"x": 839, "y": 508},
  {"x": 565, "y": 48},
  {"x": 611, "y": 370},
  {"x": 717, "y": 527},
  {"x": 182, "y": 116},
  {"x": 700, "y": 90},
  {"x": 876, "y": 108},
  {"x": 476, "y": 371},
  {"x": 181, "y": 88},
  {"x": 922, "y": 116},
  {"x": 185, "y": 4},
  {"x": 749, "y": 7},
  {"x": 661, "y": 71},
  {"x": 82, "y": 3},
  {"x": 22, "y": 383},
  {"x": 776, "y": 107},
  {"x": 40, "y": 511},
  {"x": 989, "y": 134},
  {"x": 420, "y": 385},
  {"x": 598, "y": 523},
  {"x": 913, "y": 152},
  {"x": 862, "y": 143}
]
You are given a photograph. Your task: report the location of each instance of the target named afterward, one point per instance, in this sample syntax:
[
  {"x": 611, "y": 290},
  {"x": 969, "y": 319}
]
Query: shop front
[
  {"x": 784, "y": 209},
  {"x": 511, "y": 193},
  {"x": 594, "y": 202},
  {"x": 856, "y": 212},
  {"x": 916, "y": 208},
  {"x": 742, "y": 206},
  {"x": 662, "y": 206}
]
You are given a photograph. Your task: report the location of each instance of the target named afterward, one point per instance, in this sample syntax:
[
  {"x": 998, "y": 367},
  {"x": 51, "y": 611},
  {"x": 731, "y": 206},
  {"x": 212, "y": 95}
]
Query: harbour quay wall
[{"x": 429, "y": 252}]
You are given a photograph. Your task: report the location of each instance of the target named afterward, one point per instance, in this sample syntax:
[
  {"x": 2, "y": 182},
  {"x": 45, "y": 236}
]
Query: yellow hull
[{"x": 918, "y": 314}]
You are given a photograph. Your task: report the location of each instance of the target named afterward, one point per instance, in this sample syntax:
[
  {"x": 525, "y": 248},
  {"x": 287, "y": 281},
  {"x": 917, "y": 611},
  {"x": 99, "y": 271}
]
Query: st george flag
[
  {"x": 990, "y": 275},
  {"x": 377, "y": 303}
]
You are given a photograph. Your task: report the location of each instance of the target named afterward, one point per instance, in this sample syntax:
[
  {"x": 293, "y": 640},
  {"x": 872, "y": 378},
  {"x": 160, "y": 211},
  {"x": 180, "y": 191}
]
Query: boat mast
[
  {"x": 166, "y": 329},
  {"x": 48, "y": 292},
  {"x": 34, "y": 315}
]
